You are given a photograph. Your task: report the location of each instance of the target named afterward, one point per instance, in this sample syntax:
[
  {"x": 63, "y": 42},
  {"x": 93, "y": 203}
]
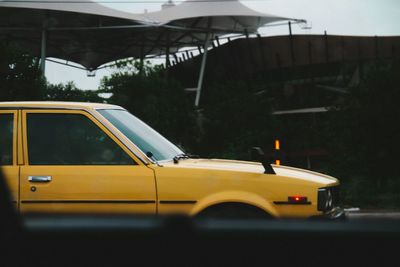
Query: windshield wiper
[{"x": 178, "y": 157}]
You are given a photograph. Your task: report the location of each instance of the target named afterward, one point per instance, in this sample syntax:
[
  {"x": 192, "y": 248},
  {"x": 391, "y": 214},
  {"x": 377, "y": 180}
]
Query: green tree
[
  {"x": 363, "y": 135},
  {"x": 365, "y": 127},
  {"x": 69, "y": 92},
  {"x": 20, "y": 77},
  {"x": 237, "y": 117},
  {"x": 159, "y": 102}
]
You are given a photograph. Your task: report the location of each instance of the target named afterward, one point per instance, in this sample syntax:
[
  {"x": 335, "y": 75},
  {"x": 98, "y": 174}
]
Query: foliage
[
  {"x": 69, "y": 92},
  {"x": 237, "y": 118},
  {"x": 20, "y": 77},
  {"x": 364, "y": 130},
  {"x": 364, "y": 139},
  {"x": 159, "y": 102}
]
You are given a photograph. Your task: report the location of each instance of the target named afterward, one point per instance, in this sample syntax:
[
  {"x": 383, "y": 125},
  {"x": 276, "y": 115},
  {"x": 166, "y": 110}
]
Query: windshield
[{"x": 142, "y": 135}]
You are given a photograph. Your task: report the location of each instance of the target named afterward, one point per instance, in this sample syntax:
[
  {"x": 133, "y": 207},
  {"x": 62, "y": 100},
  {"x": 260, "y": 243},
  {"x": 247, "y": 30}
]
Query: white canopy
[
  {"x": 90, "y": 34},
  {"x": 217, "y": 15},
  {"x": 81, "y": 6}
]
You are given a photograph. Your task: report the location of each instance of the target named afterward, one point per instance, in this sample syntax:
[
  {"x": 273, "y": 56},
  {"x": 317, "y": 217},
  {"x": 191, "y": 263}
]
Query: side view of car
[{"x": 98, "y": 158}]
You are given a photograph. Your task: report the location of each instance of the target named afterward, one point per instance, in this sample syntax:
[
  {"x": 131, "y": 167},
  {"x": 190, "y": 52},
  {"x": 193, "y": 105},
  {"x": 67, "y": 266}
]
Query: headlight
[{"x": 328, "y": 198}]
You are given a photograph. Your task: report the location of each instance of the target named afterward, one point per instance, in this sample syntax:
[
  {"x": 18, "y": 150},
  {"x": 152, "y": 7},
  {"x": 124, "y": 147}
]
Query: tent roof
[
  {"x": 226, "y": 15},
  {"x": 81, "y": 6},
  {"x": 92, "y": 35}
]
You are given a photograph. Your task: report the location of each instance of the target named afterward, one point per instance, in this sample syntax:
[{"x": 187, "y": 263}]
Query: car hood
[
  {"x": 303, "y": 174},
  {"x": 219, "y": 164},
  {"x": 253, "y": 167}
]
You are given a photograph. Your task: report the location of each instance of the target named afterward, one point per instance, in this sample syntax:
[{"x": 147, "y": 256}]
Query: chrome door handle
[{"x": 39, "y": 179}]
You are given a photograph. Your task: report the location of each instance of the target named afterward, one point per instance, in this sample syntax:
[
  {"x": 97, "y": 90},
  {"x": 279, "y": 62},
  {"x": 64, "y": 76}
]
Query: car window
[
  {"x": 147, "y": 139},
  {"x": 70, "y": 139},
  {"x": 6, "y": 139}
]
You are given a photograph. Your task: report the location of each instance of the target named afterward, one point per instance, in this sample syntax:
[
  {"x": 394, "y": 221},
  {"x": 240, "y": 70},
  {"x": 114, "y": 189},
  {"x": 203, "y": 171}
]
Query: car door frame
[{"x": 99, "y": 124}]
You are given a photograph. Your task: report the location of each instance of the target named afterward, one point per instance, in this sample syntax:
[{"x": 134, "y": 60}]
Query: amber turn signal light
[{"x": 297, "y": 199}]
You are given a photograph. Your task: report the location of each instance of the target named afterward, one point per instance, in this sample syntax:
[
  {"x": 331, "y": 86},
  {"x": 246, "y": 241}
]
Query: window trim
[
  {"x": 139, "y": 153},
  {"x": 88, "y": 115},
  {"x": 14, "y": 136}
]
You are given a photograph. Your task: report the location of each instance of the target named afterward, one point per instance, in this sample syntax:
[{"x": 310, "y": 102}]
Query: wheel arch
[{"x": 234, "y": 197}]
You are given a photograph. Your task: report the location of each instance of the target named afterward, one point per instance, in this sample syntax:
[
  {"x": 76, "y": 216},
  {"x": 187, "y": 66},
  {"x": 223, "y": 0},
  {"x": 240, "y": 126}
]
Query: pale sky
[{"x": 341, "y": 17}]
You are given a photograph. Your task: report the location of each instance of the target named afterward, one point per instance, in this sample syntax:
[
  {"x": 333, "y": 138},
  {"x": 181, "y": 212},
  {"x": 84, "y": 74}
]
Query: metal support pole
[
  {"x": 167, "y": 62},
  {"x": 202, "y": 69},
  {"x": 326, "y": 46},
  {"x": 43, "y": 52},
  {"x": 262, "y": 53},
  {"x": 308, "y": 162},
  {"x": 141, "y": 63},
  {"x": 291, "y": 44},
  {"x": 253, "y": 62},
  {"x": 310, "y": 50},
  {"x": 176, "y": 58},
  {"x": 217, "y": 39}
]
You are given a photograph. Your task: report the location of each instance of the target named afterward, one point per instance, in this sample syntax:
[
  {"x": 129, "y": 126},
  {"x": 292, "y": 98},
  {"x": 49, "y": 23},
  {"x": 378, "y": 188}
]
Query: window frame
[
  {"x": 14, "y": 136},
  {"x": 84, "y": 113}
]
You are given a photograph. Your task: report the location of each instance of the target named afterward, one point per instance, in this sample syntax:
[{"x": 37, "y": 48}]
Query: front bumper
[{"x": 336, "y": 213}]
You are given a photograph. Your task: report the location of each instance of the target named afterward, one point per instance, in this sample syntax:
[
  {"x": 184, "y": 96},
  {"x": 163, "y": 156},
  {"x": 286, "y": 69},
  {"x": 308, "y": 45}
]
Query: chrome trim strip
[
  {"x": 178, "y": 201},
  {"x": 51, "y": 201}
]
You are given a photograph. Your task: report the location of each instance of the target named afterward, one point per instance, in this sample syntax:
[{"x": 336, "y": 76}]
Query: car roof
[{"x": 57, "y": 104}]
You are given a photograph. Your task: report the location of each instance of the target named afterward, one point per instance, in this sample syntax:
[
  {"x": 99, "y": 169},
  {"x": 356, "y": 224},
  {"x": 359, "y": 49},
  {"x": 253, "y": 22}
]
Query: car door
[
  {"x": 8, "y": 152},
  {"x": 74, "y": 164}
]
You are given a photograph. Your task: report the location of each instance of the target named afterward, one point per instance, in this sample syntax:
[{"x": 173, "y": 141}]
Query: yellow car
[{"x": 98, "y": 158}]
